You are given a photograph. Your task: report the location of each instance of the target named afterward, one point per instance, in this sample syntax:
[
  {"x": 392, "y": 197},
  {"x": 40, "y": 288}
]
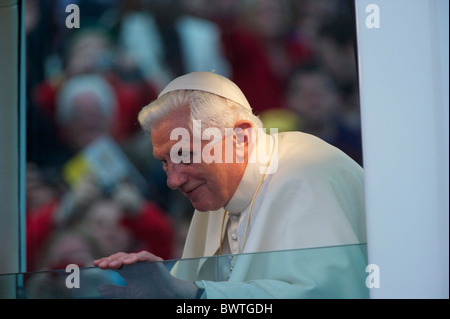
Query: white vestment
[{"x": 312, "y": 196}]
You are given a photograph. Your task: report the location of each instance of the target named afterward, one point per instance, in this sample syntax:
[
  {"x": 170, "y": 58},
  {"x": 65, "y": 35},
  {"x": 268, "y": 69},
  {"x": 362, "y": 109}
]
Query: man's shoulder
[
  {"x": 300, "y": 139},
  {"x": 306, "y": 153},
  {"x": 299, "y": 147}
]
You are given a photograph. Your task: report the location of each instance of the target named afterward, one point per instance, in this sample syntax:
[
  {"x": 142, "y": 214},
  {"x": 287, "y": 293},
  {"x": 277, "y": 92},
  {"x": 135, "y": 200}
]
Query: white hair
[
  {"x": 91, "y": 83},
  {"x": 212, "y": 110}
]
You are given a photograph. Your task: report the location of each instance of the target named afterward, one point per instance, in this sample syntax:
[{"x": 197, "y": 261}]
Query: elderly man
[{"x": 253, "y": 192}]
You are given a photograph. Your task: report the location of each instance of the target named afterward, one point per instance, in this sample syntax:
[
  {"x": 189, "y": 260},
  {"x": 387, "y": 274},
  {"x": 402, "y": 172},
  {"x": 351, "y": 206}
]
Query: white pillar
[{"x": 404, "y": 73}]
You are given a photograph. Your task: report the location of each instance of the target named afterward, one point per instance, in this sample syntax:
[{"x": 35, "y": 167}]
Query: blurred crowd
[{"x": 293, "y": 59}]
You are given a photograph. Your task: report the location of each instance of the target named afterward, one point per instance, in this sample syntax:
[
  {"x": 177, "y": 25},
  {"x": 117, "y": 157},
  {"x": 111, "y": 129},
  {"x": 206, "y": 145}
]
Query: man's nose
[{"x": 175, "y": 176}]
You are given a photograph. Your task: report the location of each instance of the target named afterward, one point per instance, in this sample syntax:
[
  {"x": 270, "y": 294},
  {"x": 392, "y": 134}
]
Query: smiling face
[{"x": 208, "y": 186}]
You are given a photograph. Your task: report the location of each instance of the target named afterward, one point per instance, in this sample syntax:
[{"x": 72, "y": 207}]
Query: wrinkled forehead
[
  {"x": 161, "y": 132},
  {"x": 177, "y": 118}
]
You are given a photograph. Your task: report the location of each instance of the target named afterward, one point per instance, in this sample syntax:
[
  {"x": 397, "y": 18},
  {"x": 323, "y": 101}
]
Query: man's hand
[
  {"x": 116, "y": 261},
  {"x": 144, "y": 280}
]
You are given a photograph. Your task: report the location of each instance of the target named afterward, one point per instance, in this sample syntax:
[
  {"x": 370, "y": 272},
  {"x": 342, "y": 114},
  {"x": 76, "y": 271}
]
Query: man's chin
[
  {"x": 204, "y": 207},
  {"x": 200, "y": 208}
]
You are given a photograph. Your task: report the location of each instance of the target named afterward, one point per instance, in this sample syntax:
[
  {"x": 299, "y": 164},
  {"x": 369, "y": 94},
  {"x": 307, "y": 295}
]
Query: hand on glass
[{"x": 146, "y": 278}]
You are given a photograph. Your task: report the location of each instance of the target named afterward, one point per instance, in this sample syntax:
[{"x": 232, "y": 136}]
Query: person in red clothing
[
  {"x": 92, "y": 51},
  {"x": 112, "y": 222},
  {"x": 85, "y": 110},
  {"x": 261, "y": 48}
]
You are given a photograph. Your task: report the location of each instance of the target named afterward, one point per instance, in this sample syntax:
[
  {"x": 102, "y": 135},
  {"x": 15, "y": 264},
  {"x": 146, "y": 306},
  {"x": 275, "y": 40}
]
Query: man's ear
[
  {"x": 242, "y": 137},
  {"x": 242, "y": 131}
]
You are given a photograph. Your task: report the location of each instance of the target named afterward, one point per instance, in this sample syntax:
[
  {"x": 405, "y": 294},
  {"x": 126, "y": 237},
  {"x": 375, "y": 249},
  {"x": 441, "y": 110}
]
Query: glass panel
[
  {"x": 122, "y": 53},
  {"x": 319, "y": 273}
]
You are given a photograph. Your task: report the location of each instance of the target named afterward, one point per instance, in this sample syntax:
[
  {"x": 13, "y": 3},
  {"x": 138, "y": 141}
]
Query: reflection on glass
[
  {"x": 319, "y": 273},
  {"x": 85, "y": 87}
]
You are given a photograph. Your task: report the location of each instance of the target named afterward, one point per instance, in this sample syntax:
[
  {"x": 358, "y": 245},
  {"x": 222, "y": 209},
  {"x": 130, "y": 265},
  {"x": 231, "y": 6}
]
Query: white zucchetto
[{"x": 208, "y": 82}]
